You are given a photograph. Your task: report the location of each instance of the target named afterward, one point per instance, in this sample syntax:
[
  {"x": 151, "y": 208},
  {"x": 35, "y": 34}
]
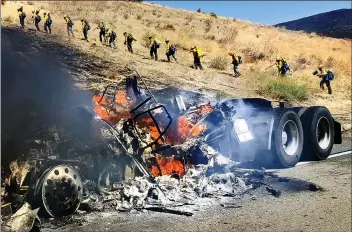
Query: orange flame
[
  {"x": 113, "y": 113},
  {"x": 206, "y": 109},
  {"x": 168, "y": 166}
]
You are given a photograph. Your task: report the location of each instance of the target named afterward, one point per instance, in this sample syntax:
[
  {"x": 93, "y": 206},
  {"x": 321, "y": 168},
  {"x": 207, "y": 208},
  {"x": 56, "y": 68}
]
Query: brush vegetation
[
  {"x": 216, "y": 35},
  {"x": 285, "y": 90}
]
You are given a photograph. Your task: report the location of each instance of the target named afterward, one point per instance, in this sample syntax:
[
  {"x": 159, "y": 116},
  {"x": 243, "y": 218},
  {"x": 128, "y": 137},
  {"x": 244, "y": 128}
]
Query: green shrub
[
  {"x": 139, "y": 17},
  {"x": 285, "y": 89},
  {"x": 199, "y": 10},
  {"x": 219, "y": 63},
  {"x": 125, "y": 16}
]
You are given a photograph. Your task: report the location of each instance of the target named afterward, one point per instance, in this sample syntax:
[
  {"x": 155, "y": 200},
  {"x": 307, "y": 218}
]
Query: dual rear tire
[
  {"x": 319, "y": 133},
  {"x": 308, "y": 137}
]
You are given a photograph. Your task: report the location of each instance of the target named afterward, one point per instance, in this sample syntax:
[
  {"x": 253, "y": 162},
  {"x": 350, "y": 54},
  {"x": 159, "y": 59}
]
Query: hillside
[
  {"x": 257, "y": 44},
  {"x": 337, "y": 24}
]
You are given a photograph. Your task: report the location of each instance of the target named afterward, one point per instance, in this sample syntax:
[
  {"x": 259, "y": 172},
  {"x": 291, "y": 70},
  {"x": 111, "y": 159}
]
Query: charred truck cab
[
  {"x": 241, "y": 129},
  {"x": 134, "y": 131}
]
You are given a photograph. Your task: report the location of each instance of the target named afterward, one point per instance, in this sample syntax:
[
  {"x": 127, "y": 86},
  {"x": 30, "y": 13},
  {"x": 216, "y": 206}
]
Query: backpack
[
  {"x": 330, "y": 76},
  {"x": 70, "y": 23},
  {"x": 240, "y": 59},
  {"x": 285, "y": 67},
  {"x": 87, "y": 26},
  {"x": 49, "y": 21},
  {"x": 38, "y": 18},
  {"x": 173, "y": 48}
]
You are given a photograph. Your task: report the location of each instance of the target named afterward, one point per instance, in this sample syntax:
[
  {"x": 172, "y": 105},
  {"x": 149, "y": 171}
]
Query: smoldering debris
[{"x": 24, "y": 220}]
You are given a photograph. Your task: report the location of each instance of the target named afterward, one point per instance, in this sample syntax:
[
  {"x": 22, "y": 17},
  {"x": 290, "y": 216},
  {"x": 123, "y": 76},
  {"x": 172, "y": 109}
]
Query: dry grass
[
  {"x": 257, "y": 44},
  {"x": 8, "y": 18},
  {"x": 219, "y": 63}
]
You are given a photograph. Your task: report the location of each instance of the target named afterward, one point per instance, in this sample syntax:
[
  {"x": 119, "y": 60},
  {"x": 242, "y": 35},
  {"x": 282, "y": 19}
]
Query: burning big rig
[{"x": 139, "y": 132}]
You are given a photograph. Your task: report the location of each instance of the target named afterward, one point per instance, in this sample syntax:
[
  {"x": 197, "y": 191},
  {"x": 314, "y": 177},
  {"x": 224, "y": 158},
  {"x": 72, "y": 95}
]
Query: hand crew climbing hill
[
  {"x": 154, "y": 45},
  {"x": 69, "y": 25},
  {"x": 111, "y": 37},
  {"x": 85, "y": 29},
  {"x": 128, "y": 41},
  {"x": 170, "y": 50},
  {"x": 197, "y": 54},
  {"x": 282, "y": 66},
  {"x": 22, "y": 16},
  {"x": 108, "y": 36},
  {"x": 102, "y": 31},
  {"x": 37, "y": 19},
  {"x": 326, "y": 76},
  {"x": 236, "y": 60},
  {"x": 47, "y": 23}
]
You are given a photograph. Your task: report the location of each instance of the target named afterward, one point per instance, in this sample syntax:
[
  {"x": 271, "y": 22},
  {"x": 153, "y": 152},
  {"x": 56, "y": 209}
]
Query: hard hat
[
  {"x": 65, "y": 16},
  {"x": 166, "y": 40},
  {"x": 230, "y": 53},
  {"x": 278, "y": 58},
  {"x": 320, "y": 66}
]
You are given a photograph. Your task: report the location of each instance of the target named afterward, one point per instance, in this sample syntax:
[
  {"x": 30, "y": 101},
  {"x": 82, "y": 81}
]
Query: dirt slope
[{"x": 258, "y": 44}]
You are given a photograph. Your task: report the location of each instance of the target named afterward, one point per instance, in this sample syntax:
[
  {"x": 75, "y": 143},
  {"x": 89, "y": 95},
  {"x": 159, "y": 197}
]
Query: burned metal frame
[{"x": 135, "y": 117}]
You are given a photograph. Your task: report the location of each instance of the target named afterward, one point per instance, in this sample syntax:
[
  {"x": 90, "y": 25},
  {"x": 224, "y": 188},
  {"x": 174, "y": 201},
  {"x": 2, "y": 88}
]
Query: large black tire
[
  {"x": 319, "y": 133},
  {"x": 287, "y": 138}
]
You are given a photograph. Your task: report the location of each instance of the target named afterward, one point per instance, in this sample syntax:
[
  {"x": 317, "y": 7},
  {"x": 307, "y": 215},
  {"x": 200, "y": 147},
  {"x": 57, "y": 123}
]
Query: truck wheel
[
  {"x": 287, "y": 138},
  {"x": 319, "y": 133}
]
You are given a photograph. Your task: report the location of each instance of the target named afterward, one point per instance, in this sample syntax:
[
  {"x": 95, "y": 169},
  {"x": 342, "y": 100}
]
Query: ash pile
[{"x": 134, "y": 150}]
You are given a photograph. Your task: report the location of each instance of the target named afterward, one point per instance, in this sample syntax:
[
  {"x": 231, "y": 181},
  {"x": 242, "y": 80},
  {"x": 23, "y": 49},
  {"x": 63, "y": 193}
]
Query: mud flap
[{"x": 338, "y": 133}]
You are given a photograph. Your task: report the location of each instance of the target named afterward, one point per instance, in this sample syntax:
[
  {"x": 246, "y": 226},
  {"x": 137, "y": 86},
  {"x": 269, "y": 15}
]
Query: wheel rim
[
  {"x": 290, "y": 137},
  {"x": 61, "y": 191},
  {"x": 323, "y": 133}
]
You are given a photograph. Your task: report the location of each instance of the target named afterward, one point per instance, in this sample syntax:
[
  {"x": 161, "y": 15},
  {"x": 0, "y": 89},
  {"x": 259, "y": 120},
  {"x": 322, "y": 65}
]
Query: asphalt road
[{"x": 298, "y": 208}]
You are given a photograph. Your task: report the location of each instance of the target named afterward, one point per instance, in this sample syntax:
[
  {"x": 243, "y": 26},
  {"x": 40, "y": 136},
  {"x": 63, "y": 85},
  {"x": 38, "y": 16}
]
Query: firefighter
[
  {"x": 47, "y": 23},
  {"x": 21, "y": 15},
  {"x": 102, "y": 32},
  {"x": 170, "y": 50},
  {"x": 197, "y": 54},
  {"x": 282, "y": 66},
  {"x": 37, "y": 20},
  {"x": 45, "y": 17},
  {"x": 326, "y": 76},
  {"x": 111, "y": 37},
  {"x": 128, "y": 41},
  {"x": 85, "y": 29},
  {"x": 69, "y": 24},
  {"x": 154, "y": 45},
  {"x": 236, "y": 60}
]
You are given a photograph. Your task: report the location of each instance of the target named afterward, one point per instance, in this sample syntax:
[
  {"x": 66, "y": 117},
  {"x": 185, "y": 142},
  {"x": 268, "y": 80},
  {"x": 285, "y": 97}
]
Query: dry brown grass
[
  {"x": 257, "y": 44},
  {"x": 254, "y": 42}
]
